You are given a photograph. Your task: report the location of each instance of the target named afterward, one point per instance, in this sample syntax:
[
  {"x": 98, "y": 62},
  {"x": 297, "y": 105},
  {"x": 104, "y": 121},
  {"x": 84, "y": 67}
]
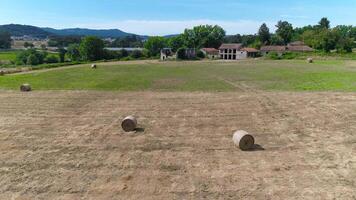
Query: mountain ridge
[{"x": 38, "y": 32}]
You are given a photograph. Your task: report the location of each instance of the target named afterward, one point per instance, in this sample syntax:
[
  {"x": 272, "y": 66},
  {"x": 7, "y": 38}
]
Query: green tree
[
  {"x": 264, "y": 34},
  {"x": 73, "y": 52},
  {"x": 123, "y": 53},
  {"x": 5, "y": 40},
  {"x": 155, "y": 44},
  {"x": 32, "y": 60},
  {"x": 200, "y": 54},
  {"x": 52, "y": 59},
  {"x": 91, "y": 48},
  {"x": 176, "y": 42},
  {"x": 204, "y": 36},
  {"x": 62, "y": 54},
  {"x": 276, "y": 40},
  {"x": 285, "y": 31},
  {"x": 181, "y": 53},
  {"x": 136, "y": 54},
  {"x": 28, "y": 45},
  {"x": 322, "y": 39},
  {"x": 324, "y": 23}
]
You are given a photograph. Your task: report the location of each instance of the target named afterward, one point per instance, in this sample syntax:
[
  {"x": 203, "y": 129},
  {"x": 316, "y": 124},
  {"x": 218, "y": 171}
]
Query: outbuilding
[{"x": 210, "y": 53}]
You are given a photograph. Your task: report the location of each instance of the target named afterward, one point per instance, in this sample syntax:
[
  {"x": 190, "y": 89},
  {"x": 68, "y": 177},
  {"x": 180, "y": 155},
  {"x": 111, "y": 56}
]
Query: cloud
[{"x": 167, "y": 27}]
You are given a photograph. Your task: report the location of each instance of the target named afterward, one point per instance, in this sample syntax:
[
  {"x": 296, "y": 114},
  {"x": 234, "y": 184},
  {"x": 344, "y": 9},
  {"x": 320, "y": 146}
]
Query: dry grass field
[
  {"x": 69, "y": 145},
  {"x": 63, "y": 140}
]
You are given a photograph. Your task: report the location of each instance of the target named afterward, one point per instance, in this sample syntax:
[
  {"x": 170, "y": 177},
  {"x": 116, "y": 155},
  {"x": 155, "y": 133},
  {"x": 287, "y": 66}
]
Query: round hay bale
[
  {"x": 310, "y": 60},
  {"x": 25, "y": 87},
  {"x": 129, "y": 124},
  {"x": 243, "y": 140},
  {"x": 93, "y": 66}
]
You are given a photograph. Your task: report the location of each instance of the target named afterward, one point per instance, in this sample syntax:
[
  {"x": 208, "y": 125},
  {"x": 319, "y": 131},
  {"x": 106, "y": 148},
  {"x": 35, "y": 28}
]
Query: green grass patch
[
  {"x": 8, "y": 55},
  {"x": 285, "y": 75}
]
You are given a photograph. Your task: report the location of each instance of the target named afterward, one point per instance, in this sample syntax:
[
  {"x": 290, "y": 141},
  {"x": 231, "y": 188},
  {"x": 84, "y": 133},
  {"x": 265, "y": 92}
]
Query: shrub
[
  {"x": 51, "y": 59},
  {"x": 136, "y": 54},
  {"x": 273, "y": 56},
  {"x": 124, "y": 53},
  {"x": 32, "y": 60},
  {"x": 200, "y": 54},
  {"x": 181, "y": 53},
  {"x": 289, "y": 55}
]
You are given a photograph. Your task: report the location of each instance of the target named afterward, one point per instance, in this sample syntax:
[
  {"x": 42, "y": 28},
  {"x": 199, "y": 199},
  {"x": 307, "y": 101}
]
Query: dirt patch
[{"x": 69, "y": 145}]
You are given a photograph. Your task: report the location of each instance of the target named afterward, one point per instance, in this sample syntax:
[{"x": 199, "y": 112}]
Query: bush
[
  {"x": 128, "y": 58},
  {"x": 124, "y": 53},
  {"x": 289, "y": 55},
  {"x": 273, "y": 56},
  {"x": 136, "y": 54},
  {"x": 110, "y": 55},
  {"x": 181, "y": 53},
  {"x": 200, "y": 54},
  {"x": 32, "y": 60},
  {"x": 23, "y": 57},
  {"x": 51, "y": 59}
]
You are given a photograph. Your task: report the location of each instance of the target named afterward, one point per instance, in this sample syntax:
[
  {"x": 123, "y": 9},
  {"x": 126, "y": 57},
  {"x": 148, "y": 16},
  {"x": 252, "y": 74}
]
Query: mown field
[{"x": 291, "y": 75}]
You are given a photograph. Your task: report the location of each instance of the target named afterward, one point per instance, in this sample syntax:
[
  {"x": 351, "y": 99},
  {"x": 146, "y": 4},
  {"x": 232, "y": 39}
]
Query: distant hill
[
  {"x": 113, "y": 33},
  {"x": 21, "y": 30}
]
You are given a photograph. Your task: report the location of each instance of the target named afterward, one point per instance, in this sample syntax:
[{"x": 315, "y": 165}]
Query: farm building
[
  {"x": 210, "y": 53},
  {"x": 297, "y": 46},
  {"x": 251, "y": 52},
  {"x": 265, "y": 50},
  {"x": 236, "y": 52},
  {"x": 190, "y": 53},
  {"x": 167, "y": 53}
]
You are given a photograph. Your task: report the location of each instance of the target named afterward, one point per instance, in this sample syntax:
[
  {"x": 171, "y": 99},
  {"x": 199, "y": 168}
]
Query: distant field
[
  {"x": 8, "y": 55},
  {"x": 292, "y": 75}
]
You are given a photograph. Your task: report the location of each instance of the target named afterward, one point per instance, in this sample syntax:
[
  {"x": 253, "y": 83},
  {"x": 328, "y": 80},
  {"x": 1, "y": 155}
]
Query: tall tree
[
  {"x": 176, "y": 42},
  {"x": 91, "y": 48},
  {"x": 5, "y": 40},
  {"x": 73, "y": 52},
  {"x": 324, "y": 23},
  {"x": 285, "y": 31},
  {"x": 264, "y": 34},
  {"x": 155, "y": 44},
  {"x": 204, "y": 36}
]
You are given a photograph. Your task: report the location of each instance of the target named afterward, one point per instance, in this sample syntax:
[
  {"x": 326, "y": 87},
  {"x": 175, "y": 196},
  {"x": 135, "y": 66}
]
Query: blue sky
[{"x": 161, "y": 17}]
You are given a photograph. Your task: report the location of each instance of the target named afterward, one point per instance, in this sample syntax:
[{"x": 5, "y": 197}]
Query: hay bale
[
  {"x": 310, "y": 60},
  {"x": 129, "y": 124},
  {"x": 93, "y": 66},
  {"x": 243, "y": 140},
  {"x": 25, "y": 87}
]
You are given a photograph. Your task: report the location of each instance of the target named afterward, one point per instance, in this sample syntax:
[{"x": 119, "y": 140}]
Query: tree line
[{"x": 320, "y": 37}]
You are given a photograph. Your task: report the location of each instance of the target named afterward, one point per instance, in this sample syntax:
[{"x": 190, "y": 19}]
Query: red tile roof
[
  {"x": 250, "y": 50},
  {"x": 296, "y": 43},
  {"x": 273, "y": 48},
  {"x": 210, "y": 50},
  {"x": 299, "y": 48}
]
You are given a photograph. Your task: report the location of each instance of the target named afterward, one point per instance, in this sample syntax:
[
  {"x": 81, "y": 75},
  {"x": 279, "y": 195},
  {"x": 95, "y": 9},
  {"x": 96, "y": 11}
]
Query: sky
[{"x": 164, "y": 17}]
